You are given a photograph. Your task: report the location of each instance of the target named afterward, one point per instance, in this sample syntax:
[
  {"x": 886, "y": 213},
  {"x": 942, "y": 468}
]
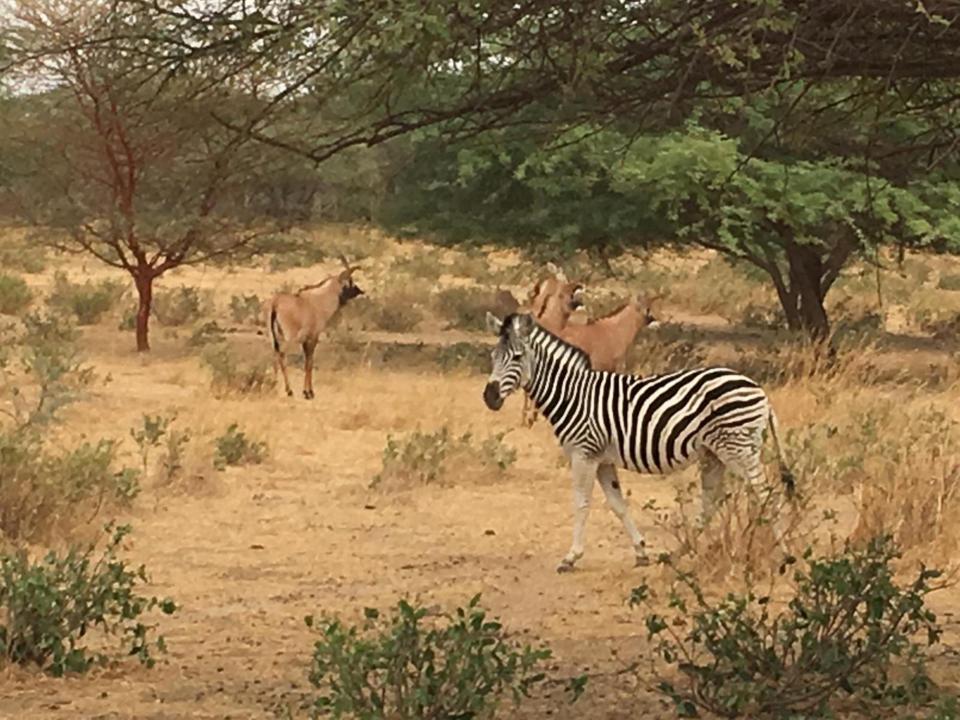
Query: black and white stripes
[{"x": 652, "y": 425}]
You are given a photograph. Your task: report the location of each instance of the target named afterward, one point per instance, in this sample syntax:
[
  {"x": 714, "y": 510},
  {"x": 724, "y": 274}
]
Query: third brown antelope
[
  {"x": 607, "y": 339},
  {"x": 300, "y": 318}
]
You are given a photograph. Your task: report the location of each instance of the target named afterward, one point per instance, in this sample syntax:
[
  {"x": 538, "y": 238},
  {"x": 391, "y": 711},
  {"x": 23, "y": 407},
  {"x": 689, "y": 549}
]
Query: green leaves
[
  {"x": 846, "y": 625},
  {"x": 414, "y": 664},
  {"x": 50, "y": 605}
]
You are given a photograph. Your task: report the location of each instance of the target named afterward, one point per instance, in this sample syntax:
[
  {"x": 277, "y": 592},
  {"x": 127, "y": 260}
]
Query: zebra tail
[
  {"x": 786, "y": 476},
  {"x": 276, "y": 332}
]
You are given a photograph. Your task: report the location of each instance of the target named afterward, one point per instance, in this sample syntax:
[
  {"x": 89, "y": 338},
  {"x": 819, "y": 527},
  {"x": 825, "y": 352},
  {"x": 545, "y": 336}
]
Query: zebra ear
[
  {"x": 493, "y": 324},
  {"x": 524, "y": 325}
]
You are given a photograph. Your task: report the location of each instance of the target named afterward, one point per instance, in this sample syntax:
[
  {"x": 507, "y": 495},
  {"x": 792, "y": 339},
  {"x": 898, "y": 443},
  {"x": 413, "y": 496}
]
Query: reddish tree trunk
[{"x": 144, "y": 282}]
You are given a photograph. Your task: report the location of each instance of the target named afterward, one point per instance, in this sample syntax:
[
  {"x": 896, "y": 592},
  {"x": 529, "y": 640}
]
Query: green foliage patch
[
  {"x": 51, "y": 605},
  {"x": 15, "y": 295},
  {"x": 424, "y": 458},
  {"x": 412, "y": 665},
  {"x": 849, "y": 627}
]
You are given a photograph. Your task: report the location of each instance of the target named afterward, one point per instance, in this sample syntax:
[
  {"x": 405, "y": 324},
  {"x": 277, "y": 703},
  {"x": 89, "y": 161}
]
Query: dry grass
[{"x": 872, "y": 433}]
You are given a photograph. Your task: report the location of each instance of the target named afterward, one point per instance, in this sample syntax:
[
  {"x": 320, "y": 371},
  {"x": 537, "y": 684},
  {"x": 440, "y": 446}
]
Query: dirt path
[{"x": 262, "y": 547}]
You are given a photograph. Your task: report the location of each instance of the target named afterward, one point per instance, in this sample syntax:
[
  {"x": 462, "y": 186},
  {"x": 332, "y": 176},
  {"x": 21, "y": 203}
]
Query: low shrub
[
  {"x": 464, "y": 307},
  {"x": 206, "y": 334},
  {"x": 49, "y": 607},
  {"x": 427, "y": 457},
  {"x": 234, "y": 447},
  {"x": 40, "y": 486},
  {"x": 15, "y": 295},
  {"x": 396, "y": 311},
  {"x": 231, "y": 374},
  {"x": 846, "y": 625},
  {"x": 87, "y": 301},
  {"x": 155, "y": 433},
  {"x": 43, "y": 483},
  {"x": 28, "y": 257},
  {"x": 949, "y": 282},
  {"x": 412, "y": 665},
  {"x": 179, "y": 306},
  {"x": 424, "y": 265},
  {"x": 246, "y": 309}
]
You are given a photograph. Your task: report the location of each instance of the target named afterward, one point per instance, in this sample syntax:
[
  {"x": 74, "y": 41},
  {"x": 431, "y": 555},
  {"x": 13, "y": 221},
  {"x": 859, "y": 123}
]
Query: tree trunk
[
  {"x": 143, "y": 279},
  {"x": 806, "y": 281}
]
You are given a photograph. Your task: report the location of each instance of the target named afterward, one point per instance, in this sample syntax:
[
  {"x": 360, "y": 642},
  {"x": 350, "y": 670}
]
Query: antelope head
[
  {"x": 644, "y": 304},
  {"x": 348, "y": 288},
  {"x": 557, "y": 287}
]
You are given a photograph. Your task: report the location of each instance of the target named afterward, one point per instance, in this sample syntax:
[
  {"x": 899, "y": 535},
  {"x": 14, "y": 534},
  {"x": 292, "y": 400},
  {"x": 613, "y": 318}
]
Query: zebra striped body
[
  {"x": 651, "y": 425},
  {"x": 654, "y": 425}
]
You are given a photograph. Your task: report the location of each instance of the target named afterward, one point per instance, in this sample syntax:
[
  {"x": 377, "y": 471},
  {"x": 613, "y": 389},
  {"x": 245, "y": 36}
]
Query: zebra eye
[{"x": 517, "y": 355}]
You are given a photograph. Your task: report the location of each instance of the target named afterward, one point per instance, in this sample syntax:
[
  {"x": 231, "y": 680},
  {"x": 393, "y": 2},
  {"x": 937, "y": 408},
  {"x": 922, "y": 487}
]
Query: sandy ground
[{"x": 249, "y": 552}]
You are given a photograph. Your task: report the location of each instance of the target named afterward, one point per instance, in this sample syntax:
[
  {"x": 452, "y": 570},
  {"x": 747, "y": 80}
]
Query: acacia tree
[
  {"x": 121, "y": 164},
  {"x": 799, "y": 220}
]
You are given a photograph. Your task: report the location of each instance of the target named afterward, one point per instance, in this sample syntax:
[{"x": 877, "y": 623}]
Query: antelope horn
[
  {"x": 346, "y": 265},
  {"x": 557, "y": 272}
]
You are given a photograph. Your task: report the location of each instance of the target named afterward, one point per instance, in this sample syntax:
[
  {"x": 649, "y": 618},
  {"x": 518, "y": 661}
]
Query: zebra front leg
[
  {"x": 584, "y": 474},
  {"x": 607, "y": 474}
]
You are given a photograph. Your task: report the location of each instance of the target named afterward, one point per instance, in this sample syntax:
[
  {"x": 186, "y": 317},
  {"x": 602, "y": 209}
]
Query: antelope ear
[
  {"x": 493, "y": 324},
  {"x": 557, "y": 272},
  {"x": 524, "y": 324}
]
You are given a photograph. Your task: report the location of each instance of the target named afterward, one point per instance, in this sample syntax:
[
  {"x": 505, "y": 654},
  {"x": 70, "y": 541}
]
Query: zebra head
[{"x": 512, "y": 357}]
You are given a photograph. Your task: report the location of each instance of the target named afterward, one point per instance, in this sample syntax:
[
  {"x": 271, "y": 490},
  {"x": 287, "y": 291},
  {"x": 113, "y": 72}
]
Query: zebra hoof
[{"x": 565, "y": 566}]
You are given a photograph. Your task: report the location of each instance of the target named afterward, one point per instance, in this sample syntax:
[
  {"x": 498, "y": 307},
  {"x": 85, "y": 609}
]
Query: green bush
[
  {"x": 206, "y": 334},
  {"x": 423, "y": 458},
  {"x": 23, "y": 257},
  {"x": 88, "y": 302},
  {"x": 15, "y": 295},
  {"x": 40, "y": 485},
  {"x": 42, "y": 482},
  {"x": 843, "y": 629},
  {"x": 234, "y": 447},
  {"x": 411, "y": 666},
  {"x": 949, "y": 282},
  {"x": 231, "y": 374},
  {"x": 179, "y": 306},
  {"x": 154, "y": 431},
  {"x": 246, "y": 309},
  {"x": 49, "y": 607}
]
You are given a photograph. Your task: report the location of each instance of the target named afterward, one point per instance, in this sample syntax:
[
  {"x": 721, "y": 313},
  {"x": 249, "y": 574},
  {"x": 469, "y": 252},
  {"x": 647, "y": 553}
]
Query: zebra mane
[{"x": 542, "y": 336}]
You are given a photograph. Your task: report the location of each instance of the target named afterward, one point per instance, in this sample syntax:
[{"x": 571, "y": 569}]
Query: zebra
[{"x": 657, "y": 424}]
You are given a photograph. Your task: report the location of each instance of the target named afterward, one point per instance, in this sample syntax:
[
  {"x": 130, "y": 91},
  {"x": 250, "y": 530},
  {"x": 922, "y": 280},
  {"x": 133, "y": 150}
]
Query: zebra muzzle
[{"x": 491, "y": 396}]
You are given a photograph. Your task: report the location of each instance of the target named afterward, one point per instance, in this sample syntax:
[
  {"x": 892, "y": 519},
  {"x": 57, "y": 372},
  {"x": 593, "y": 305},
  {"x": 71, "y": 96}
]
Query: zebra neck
[{"x": 557, "y": 371}]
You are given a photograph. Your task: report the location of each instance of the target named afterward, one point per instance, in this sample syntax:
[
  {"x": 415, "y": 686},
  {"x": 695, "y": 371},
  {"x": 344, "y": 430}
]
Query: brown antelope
[
  {"x": 607, "y": 339},
  {"x": 300, "y": 317},
  {"x": 555, "y": 284},
  {"x": 552, "y": 294}
]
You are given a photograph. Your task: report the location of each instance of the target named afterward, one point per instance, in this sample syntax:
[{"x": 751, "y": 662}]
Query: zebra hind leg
[
  {"x": 745, "y": 461},
  {"x": 711, "y": 484},
  {"x": 584, "y": 475},
  {"x": 607, "y": 475}
]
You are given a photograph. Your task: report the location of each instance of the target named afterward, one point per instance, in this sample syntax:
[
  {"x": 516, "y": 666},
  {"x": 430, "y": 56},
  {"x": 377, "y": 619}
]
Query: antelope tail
[
  {"x": 276, "y": 332},
  {"x": 786, "y": 477}
]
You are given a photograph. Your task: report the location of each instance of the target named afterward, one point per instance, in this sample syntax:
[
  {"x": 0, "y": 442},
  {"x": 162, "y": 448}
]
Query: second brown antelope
[
  {"x": 607, "y": 339},
  {"x": 554, "y": 293},
  {"x": 300, "y": 318}
]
